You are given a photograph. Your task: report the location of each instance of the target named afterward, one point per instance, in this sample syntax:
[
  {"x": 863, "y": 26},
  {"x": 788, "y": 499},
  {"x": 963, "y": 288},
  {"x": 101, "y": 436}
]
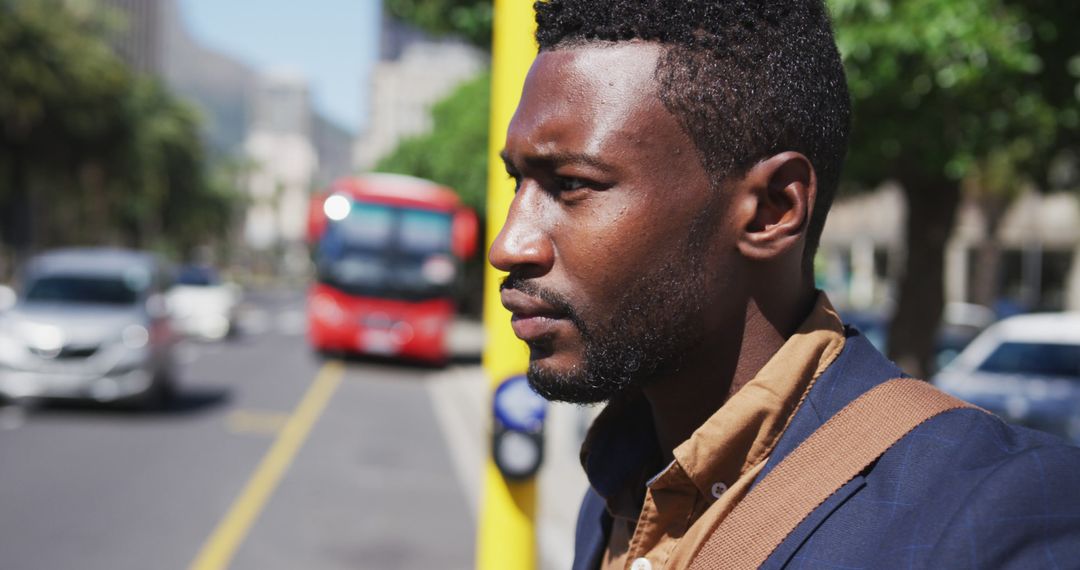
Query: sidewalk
[{"x": 461, "y": 398}]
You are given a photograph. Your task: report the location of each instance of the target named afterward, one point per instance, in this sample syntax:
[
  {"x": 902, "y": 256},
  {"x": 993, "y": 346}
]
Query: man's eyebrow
[{"x": 555, "y": 159}]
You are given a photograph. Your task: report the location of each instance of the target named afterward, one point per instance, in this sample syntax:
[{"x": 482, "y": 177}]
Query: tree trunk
[
  {"x": 986, "y": 279},
  {"x": 92, "y": 179},
  {"x": 931, "y": 214},
  {"x": 17, "y": 216}
]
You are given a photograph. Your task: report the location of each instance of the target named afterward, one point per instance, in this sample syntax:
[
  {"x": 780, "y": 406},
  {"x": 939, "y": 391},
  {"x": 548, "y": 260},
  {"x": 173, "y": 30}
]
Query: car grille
[{"x": 67, "y": 352}]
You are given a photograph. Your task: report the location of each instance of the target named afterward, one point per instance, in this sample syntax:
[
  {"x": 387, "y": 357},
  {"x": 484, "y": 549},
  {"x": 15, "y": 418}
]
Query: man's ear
[{"x": 777, "y": 195}]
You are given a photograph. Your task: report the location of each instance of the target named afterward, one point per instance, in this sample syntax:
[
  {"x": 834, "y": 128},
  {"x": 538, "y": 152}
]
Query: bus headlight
[
  {"x": 337, "y": 207},
  {"x": 327, "y": 310},
  {"x": 402, "y": 332},
  {"x": 439, "y": 269}
]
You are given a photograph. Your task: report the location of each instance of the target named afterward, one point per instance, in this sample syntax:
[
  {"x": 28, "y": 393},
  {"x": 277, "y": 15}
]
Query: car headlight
[
  {"x": 6, "y": 332},
  {"x": 11, "y": 347},
  {"x": 134, "y": 336},
  {"x": 41, "y": 337}
]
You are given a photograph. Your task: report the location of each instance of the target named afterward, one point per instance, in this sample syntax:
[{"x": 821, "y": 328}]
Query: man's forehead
[
  {"x": 615, "y": 71},
  {"x": 593, "y": 91}
]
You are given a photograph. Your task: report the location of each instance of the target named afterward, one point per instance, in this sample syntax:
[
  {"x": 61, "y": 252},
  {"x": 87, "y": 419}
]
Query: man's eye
[{"x": 570, "y": 184}]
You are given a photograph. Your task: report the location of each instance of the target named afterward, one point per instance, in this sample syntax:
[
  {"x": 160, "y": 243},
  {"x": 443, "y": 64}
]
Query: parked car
[
  {"x": 201, "y": 304},
  {"x": 89, "y": 324},
  {"x": 960, "y": 324},
  {"x": 1024, "y": 368}
]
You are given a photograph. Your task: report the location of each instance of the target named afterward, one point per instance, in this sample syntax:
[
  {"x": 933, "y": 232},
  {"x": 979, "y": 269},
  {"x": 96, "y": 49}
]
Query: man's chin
[{"x": 571, "y": 385}]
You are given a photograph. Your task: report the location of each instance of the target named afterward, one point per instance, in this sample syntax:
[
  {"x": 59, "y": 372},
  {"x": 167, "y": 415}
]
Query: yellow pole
[{"x": 506, "y": 539}]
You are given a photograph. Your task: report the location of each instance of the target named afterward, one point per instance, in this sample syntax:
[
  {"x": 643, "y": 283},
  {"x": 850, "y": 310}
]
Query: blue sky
[{"x": 333, "y": 43}]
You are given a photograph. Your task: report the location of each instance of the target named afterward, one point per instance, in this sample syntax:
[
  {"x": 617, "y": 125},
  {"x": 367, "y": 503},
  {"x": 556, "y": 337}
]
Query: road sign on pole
[{"x": 506, "y": 539}]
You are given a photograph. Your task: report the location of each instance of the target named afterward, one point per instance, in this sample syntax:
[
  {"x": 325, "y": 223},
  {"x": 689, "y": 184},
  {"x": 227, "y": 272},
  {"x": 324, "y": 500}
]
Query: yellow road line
[
  {"x": 221, "y": 546},
  {"x": 256, "y": 422}
]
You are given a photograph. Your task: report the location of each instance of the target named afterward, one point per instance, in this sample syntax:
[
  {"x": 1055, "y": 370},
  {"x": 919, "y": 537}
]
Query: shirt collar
[{"x": 621, "y": 454}]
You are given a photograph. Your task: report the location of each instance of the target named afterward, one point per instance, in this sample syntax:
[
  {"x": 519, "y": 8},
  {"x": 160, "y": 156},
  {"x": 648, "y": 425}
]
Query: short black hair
[{"x": 747, "y": 79}]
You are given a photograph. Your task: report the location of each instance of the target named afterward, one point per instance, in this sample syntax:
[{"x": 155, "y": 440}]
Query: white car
[
  {"x": 201, "y": 304},
  {"x": 1026, "y": 369}
]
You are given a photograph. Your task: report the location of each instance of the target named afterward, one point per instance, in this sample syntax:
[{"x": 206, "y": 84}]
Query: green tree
[
  {"x": 999, "y": 178},
  {"x": 59, "y": 88},
  {"x": 454, "y": 153},
  {"x": 1051, "y": 23},
  {"x": 468, "y": 19},
  {"x": 175, "y": 199},
  {"x": 89, "y": 151},
  {"x": 940, "y": 88}
]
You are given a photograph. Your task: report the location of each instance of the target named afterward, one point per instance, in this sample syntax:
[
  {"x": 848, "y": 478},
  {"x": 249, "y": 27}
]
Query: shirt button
[
  {"x": 641, "y": 564},
  {"x": 718, "y": 489}
]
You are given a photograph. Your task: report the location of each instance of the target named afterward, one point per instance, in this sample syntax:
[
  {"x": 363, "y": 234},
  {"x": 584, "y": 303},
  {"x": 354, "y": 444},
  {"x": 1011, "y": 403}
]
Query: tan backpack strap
[{"x": 833, "y": 455}]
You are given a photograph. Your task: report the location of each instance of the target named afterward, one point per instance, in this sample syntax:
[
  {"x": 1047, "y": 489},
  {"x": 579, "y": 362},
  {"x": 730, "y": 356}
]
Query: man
[{"x": 674, "y": 163}]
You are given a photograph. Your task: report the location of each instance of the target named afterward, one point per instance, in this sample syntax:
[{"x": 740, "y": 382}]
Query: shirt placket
[{"x": 671, "y": 501}]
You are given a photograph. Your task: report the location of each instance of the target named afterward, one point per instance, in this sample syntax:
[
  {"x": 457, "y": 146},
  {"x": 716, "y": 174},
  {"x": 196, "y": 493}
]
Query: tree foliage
[
  {"x": 943, "y": 91},
  {"x": 468, "y": 19},
  {"x": 181, "y": 199},
  {"x": 939, "y": 84},
  {"x": 90, "y": 152},
  {"x": 454, "y": 153}
]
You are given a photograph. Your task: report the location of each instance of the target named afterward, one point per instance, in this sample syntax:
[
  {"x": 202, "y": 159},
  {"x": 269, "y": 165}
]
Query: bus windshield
[{"x": 387, "y": 251}]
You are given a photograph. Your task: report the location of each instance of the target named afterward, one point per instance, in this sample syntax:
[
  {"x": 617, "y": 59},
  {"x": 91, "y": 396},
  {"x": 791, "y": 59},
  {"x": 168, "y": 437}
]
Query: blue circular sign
[{"x": 518, "y": 407}]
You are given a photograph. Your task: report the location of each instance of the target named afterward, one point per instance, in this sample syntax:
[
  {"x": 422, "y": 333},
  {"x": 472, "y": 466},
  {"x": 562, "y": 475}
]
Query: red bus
[{"x": 388, "y": 250}]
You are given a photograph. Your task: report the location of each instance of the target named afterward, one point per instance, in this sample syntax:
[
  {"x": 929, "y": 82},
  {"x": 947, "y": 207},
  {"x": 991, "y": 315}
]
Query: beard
[{"x": 656, "y": 321}]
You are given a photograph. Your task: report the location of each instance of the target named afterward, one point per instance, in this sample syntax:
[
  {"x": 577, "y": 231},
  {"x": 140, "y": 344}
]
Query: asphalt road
[{"x": 270, "y": 459}]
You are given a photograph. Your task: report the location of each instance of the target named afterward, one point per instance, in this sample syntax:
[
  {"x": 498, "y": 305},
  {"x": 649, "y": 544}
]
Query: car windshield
[
  {"x": 388, "y": 251},
  {"x": 1038, "y": 359},
  {"x": 105, "y": 290},
  {"x": 197, "y": 276}
]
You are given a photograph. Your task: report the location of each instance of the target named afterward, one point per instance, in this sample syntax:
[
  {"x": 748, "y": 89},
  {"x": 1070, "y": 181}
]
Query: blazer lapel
[{"x": 593, "y": 527}]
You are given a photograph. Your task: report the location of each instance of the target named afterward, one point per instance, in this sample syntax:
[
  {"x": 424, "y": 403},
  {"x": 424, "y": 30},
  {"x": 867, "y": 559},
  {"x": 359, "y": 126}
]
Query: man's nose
[{"x": 523, "y": 246}]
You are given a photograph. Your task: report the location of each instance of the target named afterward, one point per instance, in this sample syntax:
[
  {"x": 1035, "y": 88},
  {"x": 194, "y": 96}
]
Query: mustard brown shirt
[{"x": 662, "y": 514}]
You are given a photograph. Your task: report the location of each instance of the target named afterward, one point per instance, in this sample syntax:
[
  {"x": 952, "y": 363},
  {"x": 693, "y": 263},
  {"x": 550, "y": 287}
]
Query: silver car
[{"x": 89, "y": 324}]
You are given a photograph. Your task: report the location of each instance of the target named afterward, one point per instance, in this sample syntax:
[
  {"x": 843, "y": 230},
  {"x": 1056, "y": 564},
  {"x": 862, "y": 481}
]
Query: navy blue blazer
[{"x": 963, "y": 490}]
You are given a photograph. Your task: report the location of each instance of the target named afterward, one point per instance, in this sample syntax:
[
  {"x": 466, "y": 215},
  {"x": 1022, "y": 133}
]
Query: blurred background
[{"x": 226, "y": 342}]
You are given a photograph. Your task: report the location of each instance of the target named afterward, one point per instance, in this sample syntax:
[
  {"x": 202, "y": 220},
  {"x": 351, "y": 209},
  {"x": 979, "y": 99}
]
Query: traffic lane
[
  {"x": 351, "y": 497},
  {"x": 119, "y": 490},
  {"x": 373, "y": 487},
  {"x": 86, "y": 487}
]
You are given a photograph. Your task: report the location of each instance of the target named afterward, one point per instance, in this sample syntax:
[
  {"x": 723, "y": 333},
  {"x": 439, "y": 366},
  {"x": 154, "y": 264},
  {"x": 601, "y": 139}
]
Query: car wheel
[
  {"x": 324, "y": 354},
  {"x": 158, "y": 396}
]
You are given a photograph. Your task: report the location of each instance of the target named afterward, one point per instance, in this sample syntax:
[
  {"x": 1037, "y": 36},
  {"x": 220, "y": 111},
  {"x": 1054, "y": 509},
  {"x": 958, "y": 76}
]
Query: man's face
[{"x": 615, "y": 239}]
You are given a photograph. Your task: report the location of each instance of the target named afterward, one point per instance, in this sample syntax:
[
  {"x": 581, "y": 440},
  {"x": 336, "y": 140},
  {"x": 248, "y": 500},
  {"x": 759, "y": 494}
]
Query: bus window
[
  {"x": 368, "y": 226},
  {"x": 424, "y": 232}
]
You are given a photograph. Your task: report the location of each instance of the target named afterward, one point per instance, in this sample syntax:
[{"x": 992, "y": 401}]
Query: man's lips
[{"x": 532, "y": 318}]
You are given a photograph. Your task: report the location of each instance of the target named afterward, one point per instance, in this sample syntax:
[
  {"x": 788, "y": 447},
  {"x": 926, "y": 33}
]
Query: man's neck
[{"x": 682, "y": 401}]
